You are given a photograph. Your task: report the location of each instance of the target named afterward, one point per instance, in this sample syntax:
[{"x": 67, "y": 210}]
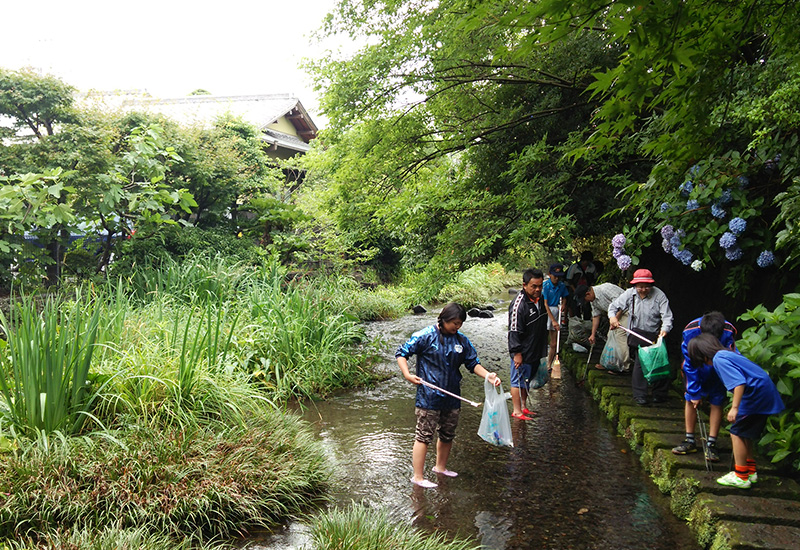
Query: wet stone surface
[{"x": 570, "y": 482}]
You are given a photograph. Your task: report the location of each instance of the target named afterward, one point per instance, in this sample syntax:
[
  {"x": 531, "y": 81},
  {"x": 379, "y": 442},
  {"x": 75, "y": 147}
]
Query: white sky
[{"x": 168, "y": 47}]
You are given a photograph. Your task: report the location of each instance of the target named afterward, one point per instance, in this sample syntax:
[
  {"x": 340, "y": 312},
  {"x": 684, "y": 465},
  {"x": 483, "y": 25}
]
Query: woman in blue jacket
[
  {"x": 754, "y": 398},
  {"x": 441, "y": 350}
]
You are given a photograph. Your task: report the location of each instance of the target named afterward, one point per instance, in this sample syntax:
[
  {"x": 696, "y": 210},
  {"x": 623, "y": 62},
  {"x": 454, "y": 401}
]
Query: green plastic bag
[{"x": 654, "y": 361}]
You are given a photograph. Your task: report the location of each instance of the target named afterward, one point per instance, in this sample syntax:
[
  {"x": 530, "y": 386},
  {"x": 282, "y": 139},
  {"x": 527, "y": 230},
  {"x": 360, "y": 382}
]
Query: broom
[{"x": 556, "y": 374}]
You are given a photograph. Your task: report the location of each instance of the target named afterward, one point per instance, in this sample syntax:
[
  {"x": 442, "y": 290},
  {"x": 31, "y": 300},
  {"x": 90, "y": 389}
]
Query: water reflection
[{"x": 567, "y": 484}]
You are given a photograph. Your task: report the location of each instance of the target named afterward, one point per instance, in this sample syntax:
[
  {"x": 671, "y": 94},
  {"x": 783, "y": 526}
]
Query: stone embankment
[{"x": 766, "y": 516}]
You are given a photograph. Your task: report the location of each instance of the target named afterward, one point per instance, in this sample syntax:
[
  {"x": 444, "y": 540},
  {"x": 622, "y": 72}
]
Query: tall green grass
[
  {"x": 362, "y": 528},
  {"x": 44, "y": 364}
]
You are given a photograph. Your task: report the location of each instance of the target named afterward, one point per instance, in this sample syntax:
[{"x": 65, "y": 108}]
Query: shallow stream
[{"x": 569, "y": 482}]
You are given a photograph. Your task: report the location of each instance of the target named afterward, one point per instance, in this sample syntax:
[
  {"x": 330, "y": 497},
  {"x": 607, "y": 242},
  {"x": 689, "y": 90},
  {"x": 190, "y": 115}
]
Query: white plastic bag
[{"x": 495, "y": 425}]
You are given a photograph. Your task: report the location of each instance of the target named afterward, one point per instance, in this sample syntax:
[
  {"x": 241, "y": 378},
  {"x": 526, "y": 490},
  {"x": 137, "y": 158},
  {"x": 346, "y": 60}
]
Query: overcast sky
[{"x": 167, "y": 47}]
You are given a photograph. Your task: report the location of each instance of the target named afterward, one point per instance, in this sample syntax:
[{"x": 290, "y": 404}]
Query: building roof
[{"x": 263, "y": 111}]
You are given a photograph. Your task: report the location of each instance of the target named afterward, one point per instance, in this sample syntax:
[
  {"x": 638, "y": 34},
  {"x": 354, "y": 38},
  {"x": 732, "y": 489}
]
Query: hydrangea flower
[
  {"x": 692, "y": 204},
  {"x": 624, "y": 262},
  {"x": 681, "y": 233},
  {"x": 734, "y": 254},
  {"x": 726, "y": 197},
  {"x": 685, "y": 256},
  {"x": 618, "y": 241},
  {"x": 744, "y": 181},
  {"x": 765, "y": 259},
  {"x": 675, "y": 241},
  {"x": 697, "y": 265},
  {"x": 686, "y": 188},
  {"x": 717, "y": 211},
  {"x": 737, "y": 225},
  {"x": 694, "y": 170},
  {"x": 665, "y": 206},
  {"x": 667, "y": 232},
  {"x": 617, "y": 252},
  {"x": 667, "y": 246},
  {"x": 728, "y": 240}
]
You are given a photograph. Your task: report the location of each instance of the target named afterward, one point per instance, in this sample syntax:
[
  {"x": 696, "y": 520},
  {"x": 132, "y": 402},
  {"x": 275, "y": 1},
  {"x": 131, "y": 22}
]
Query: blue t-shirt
[
  {"x": 553, "y": 293},
  {"x": 439, "y": 358},
  {"x": 760, "y": 394}
]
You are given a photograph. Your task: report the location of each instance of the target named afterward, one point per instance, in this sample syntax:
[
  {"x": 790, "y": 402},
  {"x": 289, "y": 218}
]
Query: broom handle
[
  {"x": 639, "y": 336},
  {"x": 558, "y": 334}
]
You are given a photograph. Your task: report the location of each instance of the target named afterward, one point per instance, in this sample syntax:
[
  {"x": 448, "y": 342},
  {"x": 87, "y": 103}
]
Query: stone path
[{"x": 764, "y": 517}]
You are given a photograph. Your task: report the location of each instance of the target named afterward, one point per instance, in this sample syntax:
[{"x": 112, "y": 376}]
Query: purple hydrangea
[
  {"x": 681, "y": 233},
  {"x": 692, "y": 204},
  {"x": 667, "y": 246},
  {"x": 765, "y": 259},
  {"x": 667, "y": 232},
  {"x": 618, "y": 241},
  {"x": 685, "y": 256},
  {"x": 697, "y": 265},
  {"x": 737, "y": 225},
  {"x": 617, "y": 252},
  {"x": 744, "y": 181},
  {"x": 686, "y": 188},
  {"x": 728, "y": 240},
  {"x": 624, "y": 262},
  {"x": 734, "y": 254},
  {"x": 726, "y": 197},
  {"x": 665, "y": 206},
  {"x": 717, "y": 211}
]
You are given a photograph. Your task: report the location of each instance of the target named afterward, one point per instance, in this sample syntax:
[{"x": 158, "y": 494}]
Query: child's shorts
[
  {"x": 429, "y": 419},
  {"x": 749, "y": 426},
  {"x": 554, "y": 311},
  {"x": 521, "y": 375}
]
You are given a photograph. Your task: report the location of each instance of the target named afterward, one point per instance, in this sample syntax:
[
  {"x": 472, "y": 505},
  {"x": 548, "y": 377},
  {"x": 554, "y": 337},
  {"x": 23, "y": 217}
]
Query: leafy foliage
[{"x": 774, "y": 343}]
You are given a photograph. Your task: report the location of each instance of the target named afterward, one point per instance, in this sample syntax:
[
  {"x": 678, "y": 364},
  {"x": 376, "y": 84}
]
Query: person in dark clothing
[
  {"x": 527, "y": 338},
  {"x": 441, "y": 350}
]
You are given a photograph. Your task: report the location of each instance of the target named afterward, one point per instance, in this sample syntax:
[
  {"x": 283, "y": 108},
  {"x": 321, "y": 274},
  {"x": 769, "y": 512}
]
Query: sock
[
  {"x": 690, "y": 438},
  {"x": 741, "y": 471},
  {"x": 712, "y": 440},
  {"x": 751, "y": 466}
]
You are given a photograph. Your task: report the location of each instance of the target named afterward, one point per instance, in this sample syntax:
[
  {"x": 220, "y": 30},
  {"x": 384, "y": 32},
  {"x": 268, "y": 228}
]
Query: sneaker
[
  {"x": 685, "y": 448},
  {"x": 732, "y": 480},
  {"x": 711, "y": 453},
  {"x": 753, "y": 478}
]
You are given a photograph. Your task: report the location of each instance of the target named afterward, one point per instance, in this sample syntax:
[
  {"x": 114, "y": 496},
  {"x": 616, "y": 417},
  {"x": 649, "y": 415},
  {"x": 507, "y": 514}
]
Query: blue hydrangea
[
  {"x": 665, "y": 206},
  {"x": 726, "y": 197},
  {"x": 676, "y": 252},
  {"x": 624, "y": 262},
  {"x": 681, "y": 233},
  {"x": 737, "y": 225},
  {"x": 667, "y": 232},
  {"x": 692, "y": 204},
  {"x": 694, "y": 170},
  {"x": 686, "y": 188},
  {"x": 675, "y": 241},
  {"x": 697, "y": 265},
  {"x": 744, "y": 181},
  {"x": 728, "y": 240},
  {"x": 734, "y": 254},
  {"x": 765, "y": 259},
  {"x": 617, "y": 252},
  {"x": 618, "y": 241},
  {"x": 685, "y": 256},
  {"x": 667, "y": 246},
  {"x": 717, "y": 211}
]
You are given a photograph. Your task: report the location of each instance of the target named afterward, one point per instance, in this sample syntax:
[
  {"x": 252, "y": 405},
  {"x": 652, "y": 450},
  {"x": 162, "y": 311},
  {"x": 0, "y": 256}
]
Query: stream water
[{"x": 568, "y": 483}]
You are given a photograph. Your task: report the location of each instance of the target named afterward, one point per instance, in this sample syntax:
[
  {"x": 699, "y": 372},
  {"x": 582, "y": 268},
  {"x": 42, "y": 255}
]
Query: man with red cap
[{"x": 649, "y": 316}]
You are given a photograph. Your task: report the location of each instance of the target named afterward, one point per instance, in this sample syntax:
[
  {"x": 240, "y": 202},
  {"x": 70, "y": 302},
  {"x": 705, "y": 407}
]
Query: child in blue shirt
[
  {"x": 441, "y": 350},
  {"x": 754, "y": 398},
  {"x": 555, "y": 293}
]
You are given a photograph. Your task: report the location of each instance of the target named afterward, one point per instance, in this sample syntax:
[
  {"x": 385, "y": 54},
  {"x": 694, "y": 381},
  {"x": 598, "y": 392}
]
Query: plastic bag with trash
[{"x": 654, "y": 361}]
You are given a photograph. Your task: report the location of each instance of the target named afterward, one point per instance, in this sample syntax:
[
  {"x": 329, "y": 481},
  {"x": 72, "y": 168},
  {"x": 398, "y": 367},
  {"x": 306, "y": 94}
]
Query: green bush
[{"x": 774, "y": 343}]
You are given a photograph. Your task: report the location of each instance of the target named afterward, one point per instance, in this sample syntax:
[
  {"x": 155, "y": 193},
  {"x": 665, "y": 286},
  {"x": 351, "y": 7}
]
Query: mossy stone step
[{"x": 733, "y": 535}]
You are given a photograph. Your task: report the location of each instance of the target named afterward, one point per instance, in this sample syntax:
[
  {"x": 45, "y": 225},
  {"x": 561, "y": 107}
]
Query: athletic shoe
[
  {"x": 732, "y": 480},
  {"x": 753, "y": 478},
  {"x": 711, "y": 453},
  {"x": 685, "y": 448}
]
